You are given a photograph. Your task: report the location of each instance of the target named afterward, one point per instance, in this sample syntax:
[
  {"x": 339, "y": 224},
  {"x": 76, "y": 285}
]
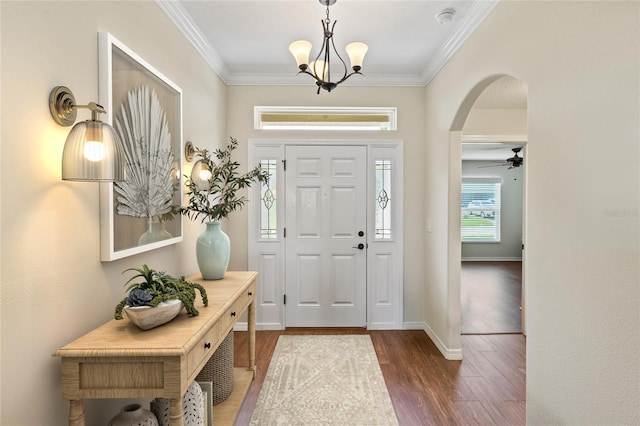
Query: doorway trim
[
  {"x": 385, "y": 304},
  {"x": 506, "y": 139},
  {"x": 454, "y": 349}
]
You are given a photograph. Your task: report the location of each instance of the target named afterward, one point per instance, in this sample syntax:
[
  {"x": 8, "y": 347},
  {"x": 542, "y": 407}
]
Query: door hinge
[
  {"x": 285, "y": 299},
  {"x": 285, "y": 232},
  {"x": 284, "y": 164}
]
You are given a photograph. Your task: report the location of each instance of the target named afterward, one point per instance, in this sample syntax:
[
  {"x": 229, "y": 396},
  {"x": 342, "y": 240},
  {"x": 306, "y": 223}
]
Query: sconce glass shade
[
  {"x": 93, "y": 152},
  {"x": 200, "y": 174}
]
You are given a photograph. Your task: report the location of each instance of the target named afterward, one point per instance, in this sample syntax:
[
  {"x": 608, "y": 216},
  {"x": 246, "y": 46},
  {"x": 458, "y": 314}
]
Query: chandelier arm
[
  {"x": 308, "y": 73},
  {"x": 349, "y": 75},
  {"x": 322, "y": 76},
  {"x": 325, "y": 30},
  {"x": 344, "y": 65}
]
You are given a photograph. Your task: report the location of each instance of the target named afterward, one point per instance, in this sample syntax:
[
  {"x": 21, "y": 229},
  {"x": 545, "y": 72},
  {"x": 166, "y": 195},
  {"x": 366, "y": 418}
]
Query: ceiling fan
[{"x": 512, "y": 162}]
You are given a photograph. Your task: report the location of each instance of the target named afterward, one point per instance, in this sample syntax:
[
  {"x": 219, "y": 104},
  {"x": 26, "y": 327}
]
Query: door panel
[{"x": 325, "y": 210}]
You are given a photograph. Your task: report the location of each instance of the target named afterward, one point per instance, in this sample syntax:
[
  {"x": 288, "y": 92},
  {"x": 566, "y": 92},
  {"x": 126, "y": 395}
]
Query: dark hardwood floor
[
  {"x": 490, "y": 297},
  {"x": 486, "y": 388}
]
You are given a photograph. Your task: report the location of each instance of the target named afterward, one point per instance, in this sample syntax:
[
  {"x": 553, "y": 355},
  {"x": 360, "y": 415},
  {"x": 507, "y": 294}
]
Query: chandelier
[{"x": 320, "y": 68}]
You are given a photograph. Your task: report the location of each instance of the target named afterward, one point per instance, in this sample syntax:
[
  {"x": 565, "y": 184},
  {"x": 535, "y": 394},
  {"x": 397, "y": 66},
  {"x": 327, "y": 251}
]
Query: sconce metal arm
[{"x": 62, "y": 105}]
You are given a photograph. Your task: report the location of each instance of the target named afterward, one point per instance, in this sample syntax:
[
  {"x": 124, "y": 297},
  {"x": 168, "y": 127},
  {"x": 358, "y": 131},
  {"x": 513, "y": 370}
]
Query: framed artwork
[
  {"x": 145, "y": 109},
  {"x": 207, "y": 392}
]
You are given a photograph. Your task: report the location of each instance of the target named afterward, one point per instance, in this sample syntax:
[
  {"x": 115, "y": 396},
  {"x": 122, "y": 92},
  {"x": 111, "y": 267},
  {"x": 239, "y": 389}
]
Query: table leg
[
  {"x": 176, "y": 414},
  {"x": 76, "y": 412},
  {"x": 251, "y": 325}
]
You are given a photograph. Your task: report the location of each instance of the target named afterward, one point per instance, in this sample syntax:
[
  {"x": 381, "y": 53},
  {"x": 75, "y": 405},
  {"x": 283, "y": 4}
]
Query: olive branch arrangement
[
  {"x": 157, "y": 287},
  {"x": 216, "y": 196}
]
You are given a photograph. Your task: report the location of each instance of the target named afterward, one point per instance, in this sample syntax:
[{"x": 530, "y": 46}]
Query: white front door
[{"x": 326, "y": 212}]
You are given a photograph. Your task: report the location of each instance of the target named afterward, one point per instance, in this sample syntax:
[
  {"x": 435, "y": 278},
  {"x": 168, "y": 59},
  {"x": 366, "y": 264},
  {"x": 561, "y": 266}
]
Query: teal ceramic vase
[
  {"x": 155, "y": 232},
  {"x": 212, "y": 251}
]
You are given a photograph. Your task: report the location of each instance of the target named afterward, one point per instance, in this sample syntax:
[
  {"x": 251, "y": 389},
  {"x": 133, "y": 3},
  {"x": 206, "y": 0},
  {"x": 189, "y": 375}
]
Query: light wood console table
[{"x": 118, "y": 360}]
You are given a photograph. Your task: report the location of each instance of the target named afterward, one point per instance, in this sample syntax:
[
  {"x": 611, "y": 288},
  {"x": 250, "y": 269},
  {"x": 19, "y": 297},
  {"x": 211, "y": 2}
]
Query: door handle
[{"x": 359, "y": 246}]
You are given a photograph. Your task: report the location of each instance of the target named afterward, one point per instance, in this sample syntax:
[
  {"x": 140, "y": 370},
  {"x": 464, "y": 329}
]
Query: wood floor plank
[
  {"x": 490, "y": 297},
  {"x": 425, "y": 388},
  {"x": 480, "y": 413}
]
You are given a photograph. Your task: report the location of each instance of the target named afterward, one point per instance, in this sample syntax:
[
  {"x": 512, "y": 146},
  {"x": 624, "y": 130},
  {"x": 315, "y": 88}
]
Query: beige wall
[
  {"x": 580, "y": 61},
  {"x": 583, "y": 77},
  {"x": 496, "y": 121},
  {"x": 409, "y": 102},
  {"x": 54, "y": 287}
]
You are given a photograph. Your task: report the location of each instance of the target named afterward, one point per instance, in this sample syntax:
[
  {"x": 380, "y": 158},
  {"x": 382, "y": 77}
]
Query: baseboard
[
  {"x": 492, "y": 259},
  {"x": 413, "y": 325},
  {"x": 270, "y": 326},
  {"x": 240, "y": 326},
  {"x": 450, "y": 354}
]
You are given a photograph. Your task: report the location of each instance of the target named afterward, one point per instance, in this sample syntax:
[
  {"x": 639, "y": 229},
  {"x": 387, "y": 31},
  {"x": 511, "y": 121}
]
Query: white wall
[
  {"x": 509, "y": 247},
  {"x": 581, "y": 63},
  {"x": 54, "y": 287},
  {"x": 409, "y": 102}
]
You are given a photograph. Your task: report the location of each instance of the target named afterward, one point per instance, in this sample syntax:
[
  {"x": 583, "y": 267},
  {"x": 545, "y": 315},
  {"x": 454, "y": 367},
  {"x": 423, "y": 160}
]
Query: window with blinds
[
  {"x": 324, "y": 118},
  {"x": 480, "y": 218}
]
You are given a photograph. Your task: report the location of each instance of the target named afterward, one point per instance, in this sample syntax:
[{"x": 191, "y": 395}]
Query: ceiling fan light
[
  {"x": 300, "y": 50},
  {"x": 356, "y": 52}
]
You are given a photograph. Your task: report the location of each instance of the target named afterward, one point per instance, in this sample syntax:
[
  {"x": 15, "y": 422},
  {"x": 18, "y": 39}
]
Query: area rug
[{"x": 324, "y": 380}]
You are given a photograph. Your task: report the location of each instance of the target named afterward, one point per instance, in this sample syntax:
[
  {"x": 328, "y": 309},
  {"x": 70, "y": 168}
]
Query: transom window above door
[{"x": 324, "y": 118}]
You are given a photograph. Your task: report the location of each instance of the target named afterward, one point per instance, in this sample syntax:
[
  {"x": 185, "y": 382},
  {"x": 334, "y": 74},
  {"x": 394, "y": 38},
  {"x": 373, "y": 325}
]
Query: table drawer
[
  {"x": 239, "y": 306},
  {"x": 204, "y": 349}
]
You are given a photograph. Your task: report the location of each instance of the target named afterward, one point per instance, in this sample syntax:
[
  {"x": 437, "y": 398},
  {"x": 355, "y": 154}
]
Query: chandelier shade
[
  {"x": 321, "y": 68},
  {"x": 301, "y": 50}
]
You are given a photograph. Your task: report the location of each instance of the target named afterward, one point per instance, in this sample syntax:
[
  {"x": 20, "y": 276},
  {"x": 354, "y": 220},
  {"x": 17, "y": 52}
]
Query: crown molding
[
  {"x": 476, "y": 14},
  {"x": 250, "y": 79},
  {"x": 181, "y": 19}
]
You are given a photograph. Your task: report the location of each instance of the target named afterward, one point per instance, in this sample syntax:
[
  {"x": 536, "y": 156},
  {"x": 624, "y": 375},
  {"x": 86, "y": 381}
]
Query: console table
[{"x": 119, "y": 360}]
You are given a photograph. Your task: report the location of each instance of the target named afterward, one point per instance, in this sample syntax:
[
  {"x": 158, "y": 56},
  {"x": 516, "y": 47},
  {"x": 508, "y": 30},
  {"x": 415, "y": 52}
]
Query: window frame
[
  {"x": 465, "y": 212},
  {"x": 301, "y": 118}
]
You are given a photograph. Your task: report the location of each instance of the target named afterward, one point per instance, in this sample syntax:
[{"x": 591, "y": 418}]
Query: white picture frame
[
  {"x": 207, "y": 393},
  {"x": 129, "y": 86}
]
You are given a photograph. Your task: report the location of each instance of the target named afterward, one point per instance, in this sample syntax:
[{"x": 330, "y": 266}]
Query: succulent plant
[{"x": 156, "y": 287}]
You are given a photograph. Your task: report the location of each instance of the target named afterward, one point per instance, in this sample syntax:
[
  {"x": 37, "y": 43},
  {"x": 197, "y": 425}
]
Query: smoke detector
[{"x": 445, "y": 16}]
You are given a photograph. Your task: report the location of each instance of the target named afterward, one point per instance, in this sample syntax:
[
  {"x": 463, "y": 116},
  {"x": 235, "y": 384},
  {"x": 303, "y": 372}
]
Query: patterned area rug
[{"x": 324, "y": 380}]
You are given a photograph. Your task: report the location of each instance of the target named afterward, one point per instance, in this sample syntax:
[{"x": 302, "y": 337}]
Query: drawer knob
[
  {"x": 207, "y": 345},
  {"x": 233, "y": 314}
]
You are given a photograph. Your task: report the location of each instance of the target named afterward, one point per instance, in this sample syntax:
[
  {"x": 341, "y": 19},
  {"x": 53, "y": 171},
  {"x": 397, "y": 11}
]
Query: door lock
[
  {"x": 359, "y": 246},
  {"x": 361, "y": 234}
]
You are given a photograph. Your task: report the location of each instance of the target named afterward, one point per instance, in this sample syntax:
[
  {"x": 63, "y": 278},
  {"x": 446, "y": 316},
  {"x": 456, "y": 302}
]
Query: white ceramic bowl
[{"x": 147, "y": 317}]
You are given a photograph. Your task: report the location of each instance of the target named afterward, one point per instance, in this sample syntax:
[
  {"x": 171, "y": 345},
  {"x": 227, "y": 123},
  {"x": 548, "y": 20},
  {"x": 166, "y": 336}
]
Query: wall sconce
[
  {"x": 93, "y": 151},
  {"x": 200, "y": 173}
]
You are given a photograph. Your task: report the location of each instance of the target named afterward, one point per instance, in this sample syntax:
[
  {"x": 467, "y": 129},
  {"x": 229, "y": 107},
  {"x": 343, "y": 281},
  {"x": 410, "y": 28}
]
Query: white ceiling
[
  {"x": 246, "y": 41},
  {"x": 493, "y": 151}
]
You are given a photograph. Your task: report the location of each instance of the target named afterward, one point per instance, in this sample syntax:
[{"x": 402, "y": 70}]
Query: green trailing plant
[
  {"x": 215, "y": 197},
  {"x": 155, "y": 287}
]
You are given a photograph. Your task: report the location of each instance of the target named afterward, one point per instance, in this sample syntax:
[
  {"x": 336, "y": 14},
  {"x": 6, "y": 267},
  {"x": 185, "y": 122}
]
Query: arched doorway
[{"x": 491, "y": 117}]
